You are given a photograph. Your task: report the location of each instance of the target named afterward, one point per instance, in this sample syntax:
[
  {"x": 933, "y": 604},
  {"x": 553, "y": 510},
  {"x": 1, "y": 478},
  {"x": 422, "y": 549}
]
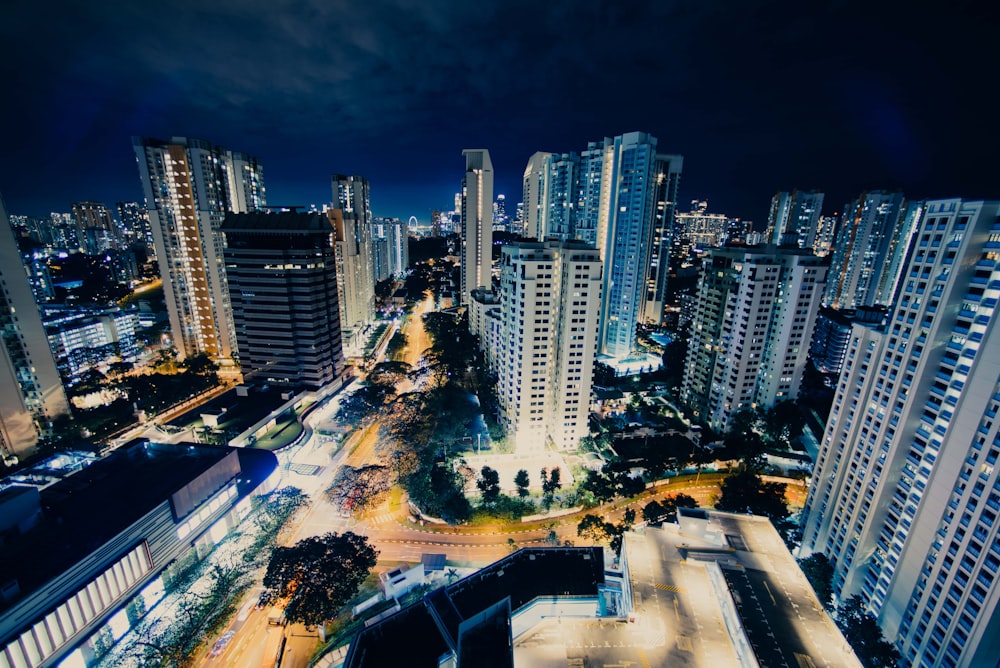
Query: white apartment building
[
  {"x": 189, "y": 186},
  {"x": 352, "y": 221},
  {"x": 906, "y": 490},
  {"x": 477, "y": 222},
  {"x": 550, "y": 296},
  {"x": 753, "y": 321},
  {"x": 31, "y": 391}
]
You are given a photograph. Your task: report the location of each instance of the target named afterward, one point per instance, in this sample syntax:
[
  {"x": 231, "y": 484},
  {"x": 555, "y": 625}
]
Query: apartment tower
[
  {"x": 190, "y": 185},
  {"x": 477, "y": 222},
  {"x": 905, "y": 495},
  {"x": 352, "y": 219},
  {"x": 752, "y": 324},
  {"x": 550, "y": 295},
  {"x": 794, "y": 219},
  {"x": 31, "y": 391},
  {"x": 870, "y": 246}
]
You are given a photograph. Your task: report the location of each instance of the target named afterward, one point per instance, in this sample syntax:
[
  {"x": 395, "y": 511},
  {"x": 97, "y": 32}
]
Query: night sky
[{"x": 758, "y": 96}]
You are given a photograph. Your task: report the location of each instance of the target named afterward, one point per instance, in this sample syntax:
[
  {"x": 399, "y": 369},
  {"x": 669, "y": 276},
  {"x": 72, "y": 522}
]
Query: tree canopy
[
  {"x": 746, "y": 492},
  {"x": 819, "y": 571},
  {"x": 863, "y": 633},
  {"x": 318, "y": 576}
]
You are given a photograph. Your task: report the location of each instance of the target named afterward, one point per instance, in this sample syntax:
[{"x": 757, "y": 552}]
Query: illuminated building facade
[
  {"x": 749, "y": 339},
  {"x": 618, "y": 195},
  {"x": 867, "y": 256},
  {"x": 477, "y": 222},
  {"x": 189, "y": 186},
  {"x": 905, "y": 495},
  {"x": 549, "y": 301},
  {"x": 282, "y": 273},
  {"x": 794, "y": 218},
  {"x": 31, "y": 391},
  {"x": 352, "y": 221},
  {"x": 84, "y": 542}
]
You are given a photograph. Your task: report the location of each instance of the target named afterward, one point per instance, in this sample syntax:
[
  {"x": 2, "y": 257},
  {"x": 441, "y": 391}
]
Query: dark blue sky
[{"x": 758, "y": 96}]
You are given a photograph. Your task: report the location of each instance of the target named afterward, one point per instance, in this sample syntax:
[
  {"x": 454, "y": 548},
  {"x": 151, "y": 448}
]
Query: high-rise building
[
  {"x": 533, "y": 196},
  {"x": 189, "y": 186},
  {"x": 873, "y": 238},
  {"x": 550, "y": 295},
  {"x": 905, "y": 494},
  {"x": 134, "y": 221},
  {"x": 624, "y": 235},
  {"x": 95, "y": 228},
  {"x": 794, "y": 218},
  {"x": 618, "y": 195},
  {"x": 395, "y": 234},
  {"x": 31, "y": 391},
  {"x": 667, "y": 174},
  {"x": 750, "y": 333},
  {"x": 477, "y": 222},
  {"x": 352, "y": 219},
  {"x": 282, "y": 271}
]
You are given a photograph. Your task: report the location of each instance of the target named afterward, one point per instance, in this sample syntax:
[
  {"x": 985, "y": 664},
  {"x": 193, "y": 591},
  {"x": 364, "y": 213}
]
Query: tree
[
  {"x": 746, "y": 492},
  {"x": 819, "y": 571},
  {"x": 783, "y": 423},
  {"x": 595, "y": 529},
  {"x": 489, "y": 485},
  {"x": 360, "y": 489},
  {"x": 522, "y": 481},
  {"x": 863, "y": 633},
  {"x": 653, "y": 512},
  {"x": 318, "y": 575}
]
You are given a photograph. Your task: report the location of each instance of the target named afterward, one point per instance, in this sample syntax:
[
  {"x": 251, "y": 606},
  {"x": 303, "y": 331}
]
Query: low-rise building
[{"x": 82, "y": 542}]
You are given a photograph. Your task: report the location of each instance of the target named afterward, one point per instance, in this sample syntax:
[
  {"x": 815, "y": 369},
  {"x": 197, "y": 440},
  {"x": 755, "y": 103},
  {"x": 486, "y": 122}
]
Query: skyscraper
[
  {"x": 397, "y": 253},
  {"x": 31, "y": 391},
  {"x": 749, "y": 337},
  {"x": 282, "y": 275},
  {"x": 352, "y": 220},
  {"x": 618, "y": 195},
  {"x": 667, "y": 174},
  {"x": 189, "y": 186},
  {"x": 533, "y": 196},
  {"x": 550, "y": 295},
  {"x": 624, "y": 234},
  {"x": 477, "y": 222},
  {"x": 906, "y": 489},
  {"x": 874, "y": 235},
  {"x": 95, "y": 228},
  {"x": 794, "y": 219}
]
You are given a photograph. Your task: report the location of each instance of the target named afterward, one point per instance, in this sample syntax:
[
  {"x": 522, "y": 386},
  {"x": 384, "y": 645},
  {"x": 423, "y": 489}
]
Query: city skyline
[{"x": 758, "y": 98}]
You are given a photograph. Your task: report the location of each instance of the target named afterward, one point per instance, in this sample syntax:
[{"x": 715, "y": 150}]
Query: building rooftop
[
  {"x": 88, "y": 508},
  {"x": 419, "y": 634},
  {"x": 714, "y": 590},
  {"x": 277, "y": 223}
]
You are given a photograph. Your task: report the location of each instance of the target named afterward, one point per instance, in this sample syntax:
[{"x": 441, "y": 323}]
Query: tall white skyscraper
[
  {"x": 750, "y": 333},
  {"x": 477, "y": 222},
  {"x": 352, "y": 221},
  {"x": 618, "y": 195},
  {"x": 550, "y": 295},
  {"x": 905, "y": 495},
  {"x": 31, "y": 391},
  {"x": 189, "y": 186}
]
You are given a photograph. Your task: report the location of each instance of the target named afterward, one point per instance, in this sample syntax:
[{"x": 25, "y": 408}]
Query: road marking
[{"x": 664, "y": 587}]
